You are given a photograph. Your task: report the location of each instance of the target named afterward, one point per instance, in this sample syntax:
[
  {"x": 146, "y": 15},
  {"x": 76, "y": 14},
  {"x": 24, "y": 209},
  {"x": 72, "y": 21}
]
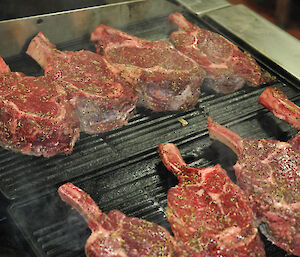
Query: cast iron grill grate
[{"x": 20, "y": 174}]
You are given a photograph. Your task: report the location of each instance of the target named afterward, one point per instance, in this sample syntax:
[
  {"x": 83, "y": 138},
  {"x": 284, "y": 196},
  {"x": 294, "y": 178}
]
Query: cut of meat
[
  {"x": 3, "y": 66},
  {"x": 278, "y": 103},
  {"x": 164, "y": 78},
  {"x": 207, "y": 212},
  {"x": 115, "y": 234},
  {"x": 227, "y": 67},
  {"x": 101, "y": 99},
  {"x": 268, "y": 170},
  {"x": 36, "y": 117}
]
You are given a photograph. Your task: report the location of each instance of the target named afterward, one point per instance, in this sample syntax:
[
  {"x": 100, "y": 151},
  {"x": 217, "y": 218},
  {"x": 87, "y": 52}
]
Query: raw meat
[
  {"x": 227, "y": 67},
  {"x": 268, "y": 171},
  {"x": 207, "y": 212},
  {"x": 115, "y": 234},
  {"x": 102, "y": 101},
  {"x": 35, "y": 116},
  {"x": 278, "y": 103},
  {"x": 3, "y": 66},
  {"x": 164, "y": 78}
]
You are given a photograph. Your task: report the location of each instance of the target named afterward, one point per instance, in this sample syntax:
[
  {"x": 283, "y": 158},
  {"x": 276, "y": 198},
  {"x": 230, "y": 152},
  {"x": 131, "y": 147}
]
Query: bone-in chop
[
  {"x": 278, "y": 103},
  {"x": 269, "y": 172},
  {"x": 164, "y": 78},
  {"x": 116, "y": 235},
  {"x": 36, "y": 117},
  {"x": 101, "y": 99},
  {"x": 207, "y": 211},
  {"x": 227, "y": 67}
]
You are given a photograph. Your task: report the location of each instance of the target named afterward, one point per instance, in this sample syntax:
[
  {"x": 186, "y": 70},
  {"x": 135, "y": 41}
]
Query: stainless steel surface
[
  {"x": 71, "y": 25},
  {"x": 201, "y": 7},
  {"x": 262, "y": 35}
]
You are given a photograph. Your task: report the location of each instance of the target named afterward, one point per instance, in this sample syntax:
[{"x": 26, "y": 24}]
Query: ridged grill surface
[
  {"x": 121, "y": 169},
  {"x": 20, "y": 174}
]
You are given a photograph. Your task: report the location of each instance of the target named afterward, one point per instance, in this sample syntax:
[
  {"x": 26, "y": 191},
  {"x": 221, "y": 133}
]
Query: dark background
[
  {"x": 284, "y": 13},
  {"x": 10, "y": 9}
]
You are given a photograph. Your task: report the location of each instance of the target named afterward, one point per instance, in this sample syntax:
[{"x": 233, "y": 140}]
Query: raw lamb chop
[
  {"x": 35, "y": 116},
  {"x": 227, "y": 67},
  {"x": 207, "y": 212},
  {"x": 268, "y": 171},
  {"x": 115, "y": 234},
  {"x": 278, "y": 103},
  {"x": 164, "y": 78},
  {"x": 101, "y": 100}
]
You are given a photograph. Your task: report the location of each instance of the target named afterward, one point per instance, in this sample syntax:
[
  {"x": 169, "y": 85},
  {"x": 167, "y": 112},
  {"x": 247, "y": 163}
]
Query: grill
[{"x": 121, "y": 168}]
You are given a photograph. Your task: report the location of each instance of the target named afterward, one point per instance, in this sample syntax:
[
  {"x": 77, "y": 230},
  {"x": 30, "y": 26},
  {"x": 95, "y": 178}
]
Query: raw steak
[
  {"x": 35, "y": 115},
  {"x": 164, "y": 78},
  {"x": 227, "y": 67},
  {"x": 268, "y": 171},
  {"x": 208, "y": 212},
  {"x": 101, "y": 100},
  {"x": 115, "y": 234}
]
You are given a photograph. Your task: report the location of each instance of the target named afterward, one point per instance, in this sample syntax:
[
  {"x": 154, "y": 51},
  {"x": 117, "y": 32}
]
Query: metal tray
[{"x": 121, "y": 169}]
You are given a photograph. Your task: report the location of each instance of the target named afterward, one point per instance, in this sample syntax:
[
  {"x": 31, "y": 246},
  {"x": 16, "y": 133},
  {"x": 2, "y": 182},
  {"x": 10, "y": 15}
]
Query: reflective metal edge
[
  {"x": 201, "y": 7},
  {"x": 268, "y": 39},
  {"x": 69, "y": 25}
]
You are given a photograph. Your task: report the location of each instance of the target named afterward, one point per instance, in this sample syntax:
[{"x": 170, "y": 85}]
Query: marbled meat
[
  {"x": 208, "y": 213},
  {"x": 268, "y": 171},
  {"x": 164, "y": 78},
  {"x": 101, "y": 99},
  {"x": 36, "y": 117},
  {"x": 227, "y": 67},
  {"x": 116, "y": 235}
]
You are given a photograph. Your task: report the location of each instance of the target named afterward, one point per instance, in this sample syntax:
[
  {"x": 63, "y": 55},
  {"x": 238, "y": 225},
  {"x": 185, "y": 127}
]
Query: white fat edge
[
  {"x": 216, "y": 199},
  {"x": 214, "y": 196},
  {"x": 136, "y": 74},
  {"x": 283, "y": 205},
  {"x": 212, "y": 65},
  {"x": 233, "y": 231},
  {"x": 181, "y": 98},
  {"x": 266, "y": 161},
  {"x": 195, "y": 43},
  {"x": 21, "y": 113},
  {"x": 95, "y": 235},
  {"x": 61, "y": 116},
  {"x": 218, "y": 66}
]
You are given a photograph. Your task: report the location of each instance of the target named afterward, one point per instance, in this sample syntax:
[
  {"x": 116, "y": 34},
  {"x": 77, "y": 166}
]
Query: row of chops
[
  {"x": 209, "y": 214},
  {"x": 89, "y": 92}
]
